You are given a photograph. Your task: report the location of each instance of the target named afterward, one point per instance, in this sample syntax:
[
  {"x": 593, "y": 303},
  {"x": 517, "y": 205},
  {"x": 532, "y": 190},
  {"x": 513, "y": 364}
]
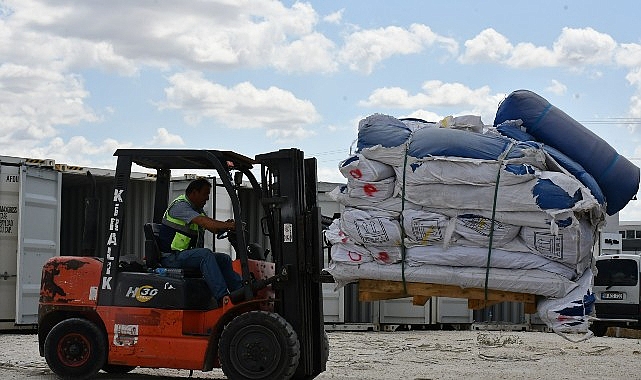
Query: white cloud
[
  {"x": 584, "y": 47},
  {"x": 282, "y": 135},
  {"x": 635, "y": 106},
  {"x": 424, "y": 115},
  {"x": 628, "y": 55},
  {"x": 527, "y": 55},
  {"x": 113, "y": 36},
  {"x": 575, "y": 47},
  {"x": 487, "y": 46},
  {"x": 34, "y": 101},
  {"x": 32, "y": 37},
  {"x": 77, "y": 151},
  {"x": 329, "y": 174},
  {"x": 634, "y": 77},
  {"x": 557, "y": 87},
  {"x": 437, "y": 94},
  {"x": 296, "y": 56},
  {"x": 241, "y": 106},
  {"x": 365, "y": 48},
  {"x": 164, "y": 138},
  {"x": 335, "y": 17},
  {"x": 394, "y": 97}
]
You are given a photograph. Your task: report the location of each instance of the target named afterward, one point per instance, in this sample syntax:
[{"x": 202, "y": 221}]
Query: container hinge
[{"x": 5, "y": 275}]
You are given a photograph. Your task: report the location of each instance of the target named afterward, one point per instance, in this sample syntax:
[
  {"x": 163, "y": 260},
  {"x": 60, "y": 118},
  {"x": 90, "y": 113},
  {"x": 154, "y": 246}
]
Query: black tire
[
  {"x": 259, "y": 345},
  {"x": 75, "y": 348},
  {"x": 117, "y": 368},
  {"x": 599, "y": 329}
]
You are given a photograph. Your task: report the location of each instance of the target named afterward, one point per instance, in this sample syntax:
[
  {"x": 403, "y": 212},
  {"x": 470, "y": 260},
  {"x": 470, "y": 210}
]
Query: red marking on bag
[
  {"x": 369, "y": 189},
  {"x": 354, "y": 256},
  {"x": 356, "y": 173},
  {"x": 383, "y": 256}
]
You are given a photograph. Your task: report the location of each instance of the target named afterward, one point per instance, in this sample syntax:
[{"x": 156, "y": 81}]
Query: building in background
[{"x": 630, "y": 233}]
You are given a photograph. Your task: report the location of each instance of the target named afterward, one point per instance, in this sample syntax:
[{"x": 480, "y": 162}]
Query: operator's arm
[{"x": 213, "y": 225}]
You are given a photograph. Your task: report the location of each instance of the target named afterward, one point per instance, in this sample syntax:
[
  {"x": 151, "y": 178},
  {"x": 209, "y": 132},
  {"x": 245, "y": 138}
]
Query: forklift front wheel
[
  {"x": 75, "y": 348},
  {"x": 259, "y": 345}
]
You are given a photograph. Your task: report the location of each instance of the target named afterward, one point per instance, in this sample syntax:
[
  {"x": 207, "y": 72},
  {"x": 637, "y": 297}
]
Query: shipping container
[
  {"x": 333, "y": 300},
  {"x": 30, "y": 225}
]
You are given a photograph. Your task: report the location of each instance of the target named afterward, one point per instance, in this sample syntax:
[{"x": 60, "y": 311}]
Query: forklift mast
[{"x": 288, "y": 183}]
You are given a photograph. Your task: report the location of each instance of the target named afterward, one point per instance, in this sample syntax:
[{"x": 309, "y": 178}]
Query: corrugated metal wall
[
  {"x": 139, "y": 210},
  {"x": 507, "y": 312}
]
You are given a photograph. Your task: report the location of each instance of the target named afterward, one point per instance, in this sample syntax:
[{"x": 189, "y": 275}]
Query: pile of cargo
[{"x": 515, "y": 206}]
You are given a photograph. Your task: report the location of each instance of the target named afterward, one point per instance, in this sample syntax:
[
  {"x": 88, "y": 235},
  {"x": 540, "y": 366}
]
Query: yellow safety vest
[{"x": 184, "y": 233}]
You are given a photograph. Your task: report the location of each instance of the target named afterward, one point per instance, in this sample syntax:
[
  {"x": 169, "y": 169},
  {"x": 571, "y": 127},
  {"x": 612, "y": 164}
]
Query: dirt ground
[{"x": 414, "y": 355}]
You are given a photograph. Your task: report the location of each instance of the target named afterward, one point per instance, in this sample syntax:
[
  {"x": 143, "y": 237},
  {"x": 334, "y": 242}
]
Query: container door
[
  {"x": 38, "y": 235},
  {"x": 333, "y": 300},
  {"x": 9, "y": 188}
]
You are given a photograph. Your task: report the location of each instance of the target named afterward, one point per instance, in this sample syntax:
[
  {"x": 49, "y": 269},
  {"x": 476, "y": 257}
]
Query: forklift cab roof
[{"x": 186, "y": 158}]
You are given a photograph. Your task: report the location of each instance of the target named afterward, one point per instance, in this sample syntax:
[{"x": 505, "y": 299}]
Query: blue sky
[{"x": 79, "y": 79}]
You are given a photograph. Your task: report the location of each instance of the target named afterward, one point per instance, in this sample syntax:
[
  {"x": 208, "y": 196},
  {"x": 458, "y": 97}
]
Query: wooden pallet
[{"x": 376, "y": 290}]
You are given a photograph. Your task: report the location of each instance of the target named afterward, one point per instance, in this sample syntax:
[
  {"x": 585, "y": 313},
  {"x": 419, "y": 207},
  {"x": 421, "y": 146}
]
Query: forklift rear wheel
[
  {"x": 259, "y": 345},
  {"x": 75, "y": 348},
  {"x": 117, "y": 368}
]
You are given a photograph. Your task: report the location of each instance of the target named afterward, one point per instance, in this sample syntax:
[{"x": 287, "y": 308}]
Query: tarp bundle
[
  {"x": 456, "y": 202},
  {"x": 617, "y": 177}
]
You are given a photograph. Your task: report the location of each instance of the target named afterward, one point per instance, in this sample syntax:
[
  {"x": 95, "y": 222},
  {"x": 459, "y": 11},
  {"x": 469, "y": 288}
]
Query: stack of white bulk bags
[
  {"x": 425, "y": 199},
  {"x": 512, "y": 207}
]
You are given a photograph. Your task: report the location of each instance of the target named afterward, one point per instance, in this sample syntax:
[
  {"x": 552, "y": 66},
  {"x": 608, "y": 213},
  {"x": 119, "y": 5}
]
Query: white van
[{"x": 616, "y": 287}]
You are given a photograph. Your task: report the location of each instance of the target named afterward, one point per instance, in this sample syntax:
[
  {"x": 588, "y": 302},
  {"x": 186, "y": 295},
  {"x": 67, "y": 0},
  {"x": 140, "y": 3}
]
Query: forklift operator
[{"x": 181, "y": 240}]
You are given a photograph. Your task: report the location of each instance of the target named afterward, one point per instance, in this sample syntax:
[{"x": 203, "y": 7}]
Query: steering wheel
[
  {"x": 254, "y": 251},
  {"x": 231, "y": 236}
]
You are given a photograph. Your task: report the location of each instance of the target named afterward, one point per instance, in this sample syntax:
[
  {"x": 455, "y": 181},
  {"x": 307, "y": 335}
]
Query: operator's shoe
[
  {"x": 222, "y": 300},
  {"x": 215, "y": 303}
]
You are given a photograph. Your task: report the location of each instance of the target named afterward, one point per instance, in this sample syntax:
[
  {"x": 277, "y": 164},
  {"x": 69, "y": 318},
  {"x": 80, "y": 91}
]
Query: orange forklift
[{"x": 97, "y": 314}]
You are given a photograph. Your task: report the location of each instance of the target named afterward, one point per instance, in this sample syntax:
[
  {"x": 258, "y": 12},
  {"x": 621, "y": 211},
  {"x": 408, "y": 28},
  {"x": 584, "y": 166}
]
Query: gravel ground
[{"x": 417, "y": 355}]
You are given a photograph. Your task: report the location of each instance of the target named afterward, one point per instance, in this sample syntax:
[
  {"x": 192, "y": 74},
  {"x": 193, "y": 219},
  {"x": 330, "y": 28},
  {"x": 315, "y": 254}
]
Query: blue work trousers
[{"x": 215, "y": 266}]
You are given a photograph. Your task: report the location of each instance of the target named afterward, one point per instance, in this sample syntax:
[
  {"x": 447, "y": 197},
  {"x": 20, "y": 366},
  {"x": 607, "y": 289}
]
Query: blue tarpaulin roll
[
  {"x": 458, "y": 143},
  {"x": 617, "y": 177},
  {"x": 512, "y": 130}
]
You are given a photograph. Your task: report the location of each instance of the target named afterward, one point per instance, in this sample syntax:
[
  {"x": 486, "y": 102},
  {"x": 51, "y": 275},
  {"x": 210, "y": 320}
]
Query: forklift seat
[
  {"x": 152, "y": 250},
  {"x": 153, "y": 254}
]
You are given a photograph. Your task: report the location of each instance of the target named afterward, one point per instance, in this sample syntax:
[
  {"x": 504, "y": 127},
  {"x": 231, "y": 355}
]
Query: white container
[
  {"x": 402, "y": 311},
  {"x": 452, "y": 311},
  {"x": 333, "y": 300},
  {"x": 29, "y": 235}
]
